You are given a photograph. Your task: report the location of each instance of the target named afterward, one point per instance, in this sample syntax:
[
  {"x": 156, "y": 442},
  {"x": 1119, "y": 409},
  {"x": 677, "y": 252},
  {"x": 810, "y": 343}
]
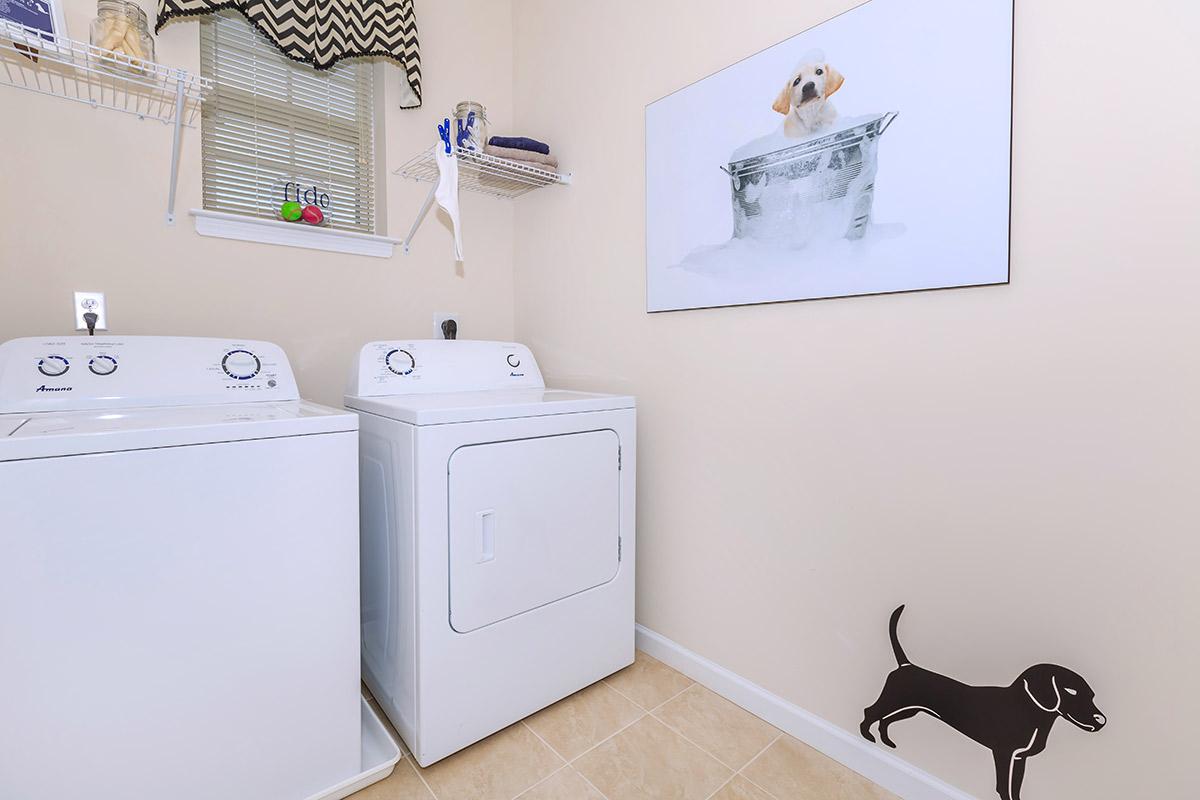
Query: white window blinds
[{"x": 272, "y": 122}]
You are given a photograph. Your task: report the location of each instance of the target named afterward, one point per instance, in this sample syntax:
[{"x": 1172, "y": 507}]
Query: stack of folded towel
[{"x": 529, "y": 152}]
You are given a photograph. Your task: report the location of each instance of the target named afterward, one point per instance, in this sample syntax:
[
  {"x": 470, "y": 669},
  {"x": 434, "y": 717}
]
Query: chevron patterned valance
[{"x": 322, "y": 32}]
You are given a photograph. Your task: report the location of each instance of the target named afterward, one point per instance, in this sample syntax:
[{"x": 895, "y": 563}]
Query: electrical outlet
[
  {"x": 94, "y": 302},
  {"x": 441, "y": 316}
]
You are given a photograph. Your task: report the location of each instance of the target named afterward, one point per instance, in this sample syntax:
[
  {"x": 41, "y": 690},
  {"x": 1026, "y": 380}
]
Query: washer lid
[
  {"x": 439, "y": 409},
  {"x": 51, "y": 434}
]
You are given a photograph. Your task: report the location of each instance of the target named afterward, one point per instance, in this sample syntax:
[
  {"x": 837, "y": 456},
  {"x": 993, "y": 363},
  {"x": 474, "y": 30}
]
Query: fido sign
[{"x": 301, "y": 200}]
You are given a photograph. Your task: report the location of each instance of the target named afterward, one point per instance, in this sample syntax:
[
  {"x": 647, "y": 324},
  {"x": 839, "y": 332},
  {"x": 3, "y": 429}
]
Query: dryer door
[{"x": 531, "y": 521}]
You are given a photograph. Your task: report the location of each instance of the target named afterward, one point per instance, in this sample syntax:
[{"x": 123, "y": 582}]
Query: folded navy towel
[{"x": 520, "y": 143}]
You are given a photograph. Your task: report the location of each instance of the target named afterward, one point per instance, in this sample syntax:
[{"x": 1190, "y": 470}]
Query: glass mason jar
[
  {"x": 122, "y": 27},
  {"x": 478, "y": 135}
]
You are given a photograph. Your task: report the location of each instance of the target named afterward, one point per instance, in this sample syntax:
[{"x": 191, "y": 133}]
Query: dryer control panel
[
  {"x": 428, "y": 366},
  {"x": 70, "y": 373}
]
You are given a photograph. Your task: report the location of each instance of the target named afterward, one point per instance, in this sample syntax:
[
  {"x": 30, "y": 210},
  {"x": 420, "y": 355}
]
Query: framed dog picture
[{"x": 870, "y": 154}]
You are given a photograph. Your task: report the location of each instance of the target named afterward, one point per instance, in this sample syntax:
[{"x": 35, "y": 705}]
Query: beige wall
[
  {"x": 1017, "y": 464},
  {"x": 83, "y": 198}
]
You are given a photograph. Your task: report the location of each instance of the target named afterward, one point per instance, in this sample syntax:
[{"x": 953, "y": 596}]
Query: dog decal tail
[{"x": 901, "y": 658}]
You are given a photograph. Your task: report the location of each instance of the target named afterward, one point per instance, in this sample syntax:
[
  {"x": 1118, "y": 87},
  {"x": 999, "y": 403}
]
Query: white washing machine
[
  {"x": 178, "y": 576},
  {"x": 497, "y": 537}
]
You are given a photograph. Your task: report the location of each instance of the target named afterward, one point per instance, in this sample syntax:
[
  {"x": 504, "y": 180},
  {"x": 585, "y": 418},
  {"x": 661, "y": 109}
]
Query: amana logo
[{"x": 45, "y": 388}]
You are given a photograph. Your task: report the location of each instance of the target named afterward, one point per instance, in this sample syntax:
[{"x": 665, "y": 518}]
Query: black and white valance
[{"x": 322, "y": 32}]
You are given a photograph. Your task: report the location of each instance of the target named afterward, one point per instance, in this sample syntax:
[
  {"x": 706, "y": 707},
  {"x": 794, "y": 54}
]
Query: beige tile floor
[{"x": 645, "y": 733}]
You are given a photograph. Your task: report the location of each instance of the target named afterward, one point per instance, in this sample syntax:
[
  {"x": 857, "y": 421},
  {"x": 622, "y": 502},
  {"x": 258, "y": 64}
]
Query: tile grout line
[
  {"x": 757, "y": 756},
  {"x": 566, "y": 765},
  {"x": 526, "y": 790},
  {"x": 736, "y": 772},
  {"x": 681, "y": 735},
  {"x": 710, "y": 754},
  {"x": 722, "y": 786},
  {"x": 684, "y": 736},
  {"x": 416, "y": 768},
  {"x": 672, "y": 697},
  {"x": 620, "y": 730},
  {"x": 653, "y": 708},
  {"x": 650, "y": 713},
  {"x": 538, "y": 736},
  {"x": 568, "y": 762},
  {"x": 585, "y": 779}
]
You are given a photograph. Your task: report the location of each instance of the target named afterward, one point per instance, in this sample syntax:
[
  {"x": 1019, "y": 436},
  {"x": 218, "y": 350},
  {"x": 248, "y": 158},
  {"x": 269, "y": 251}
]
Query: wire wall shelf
[
  {"x": 81, "y": 72},
  {"x": 101, "y": 78},
  {"x": 483, "y": 173}
]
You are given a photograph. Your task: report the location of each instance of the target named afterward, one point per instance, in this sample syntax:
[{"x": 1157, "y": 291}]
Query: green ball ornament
[{"x": 291, "y": 211}]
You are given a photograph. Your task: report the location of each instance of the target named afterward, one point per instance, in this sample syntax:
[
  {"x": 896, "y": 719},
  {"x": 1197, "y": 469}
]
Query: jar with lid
[
  {"x": 477, "y": 136},
  {"x": 122, "y": 27}
]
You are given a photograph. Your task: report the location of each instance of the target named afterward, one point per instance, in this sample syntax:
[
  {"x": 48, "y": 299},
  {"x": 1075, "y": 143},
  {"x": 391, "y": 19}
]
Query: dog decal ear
[
  {"x": 783, "y": 103},
  {"x": 1050, "y": 700},
  {"x": 833, "y": 81}
]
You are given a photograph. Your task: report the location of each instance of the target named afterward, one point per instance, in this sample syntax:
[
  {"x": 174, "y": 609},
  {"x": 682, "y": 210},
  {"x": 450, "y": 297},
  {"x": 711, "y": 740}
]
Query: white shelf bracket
[
  {"x": 177, "y": 140},
  {"x": 428, "y": 204}
]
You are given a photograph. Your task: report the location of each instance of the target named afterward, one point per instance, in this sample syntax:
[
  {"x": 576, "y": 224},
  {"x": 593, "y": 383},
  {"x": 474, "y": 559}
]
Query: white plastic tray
[{"x": 379, "y": 756}]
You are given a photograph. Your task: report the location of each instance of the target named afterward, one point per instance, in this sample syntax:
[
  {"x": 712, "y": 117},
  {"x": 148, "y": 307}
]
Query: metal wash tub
[{"x": 820, "y": 188}]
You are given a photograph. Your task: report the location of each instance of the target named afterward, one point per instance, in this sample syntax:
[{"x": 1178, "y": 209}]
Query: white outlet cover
[
  {"x": 441, "y": 316},
  {"x": 90, "y": 301}
]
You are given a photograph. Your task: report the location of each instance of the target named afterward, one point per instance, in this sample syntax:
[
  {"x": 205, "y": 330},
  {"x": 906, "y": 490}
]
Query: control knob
[
  {"x": 400, "y": 362},
  {"x": 241, "y": 365},
  {"x": 103, "y": 365},
  {"x": 53, "y": 366}
]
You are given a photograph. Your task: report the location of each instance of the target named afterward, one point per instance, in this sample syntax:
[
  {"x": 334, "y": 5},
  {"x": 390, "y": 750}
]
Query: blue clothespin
[
  {"x": 464, "y": 131},
  {"x": 444, "y": 132}
]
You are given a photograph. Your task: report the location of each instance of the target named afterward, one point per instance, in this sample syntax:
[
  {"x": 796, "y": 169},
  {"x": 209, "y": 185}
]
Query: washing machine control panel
[
  {"x": 86, "y": 372},
  {"x": 436, "y": 365}
]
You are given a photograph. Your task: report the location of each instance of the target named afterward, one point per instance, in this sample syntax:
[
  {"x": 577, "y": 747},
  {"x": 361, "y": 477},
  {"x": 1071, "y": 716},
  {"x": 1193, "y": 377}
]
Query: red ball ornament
[{"x": 312, "y": 215}]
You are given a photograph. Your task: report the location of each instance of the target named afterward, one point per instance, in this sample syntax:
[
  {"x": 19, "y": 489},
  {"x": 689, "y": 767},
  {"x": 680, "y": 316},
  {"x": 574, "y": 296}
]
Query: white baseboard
[{"x": 865, "y": 758}]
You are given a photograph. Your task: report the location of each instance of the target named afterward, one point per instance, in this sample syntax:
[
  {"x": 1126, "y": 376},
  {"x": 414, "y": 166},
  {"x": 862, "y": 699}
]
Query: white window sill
[{"x": 290, "y": 234}]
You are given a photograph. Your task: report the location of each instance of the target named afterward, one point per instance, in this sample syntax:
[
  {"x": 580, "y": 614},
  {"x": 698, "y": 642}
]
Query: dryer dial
[
  {"x": 53, "y": 366},
  {"x": 103, "y": 365}
]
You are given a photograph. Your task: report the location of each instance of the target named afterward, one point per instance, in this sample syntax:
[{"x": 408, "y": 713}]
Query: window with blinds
[{"x": 274, "y": 126}]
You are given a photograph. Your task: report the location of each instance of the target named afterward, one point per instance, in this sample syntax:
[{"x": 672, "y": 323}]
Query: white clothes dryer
[{"x": 497, "y": 537}]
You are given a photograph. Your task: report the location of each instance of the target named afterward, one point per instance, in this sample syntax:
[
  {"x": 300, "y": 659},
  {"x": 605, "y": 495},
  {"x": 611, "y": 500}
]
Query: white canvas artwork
[{"x": 867, "y": 155}]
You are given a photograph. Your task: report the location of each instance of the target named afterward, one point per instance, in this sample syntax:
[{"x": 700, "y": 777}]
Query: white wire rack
[
  {"x": 477, "y": 172},
  {"x": 61, "y": 67},
  {"x": 480, "y": 172}
]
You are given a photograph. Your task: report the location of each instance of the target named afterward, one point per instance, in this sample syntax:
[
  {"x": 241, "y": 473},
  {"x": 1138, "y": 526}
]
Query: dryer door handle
[{"x": 485, "y": 525}]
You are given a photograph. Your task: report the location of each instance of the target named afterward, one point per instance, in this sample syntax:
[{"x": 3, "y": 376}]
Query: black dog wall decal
[{"x": 1012, "y": 721}]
